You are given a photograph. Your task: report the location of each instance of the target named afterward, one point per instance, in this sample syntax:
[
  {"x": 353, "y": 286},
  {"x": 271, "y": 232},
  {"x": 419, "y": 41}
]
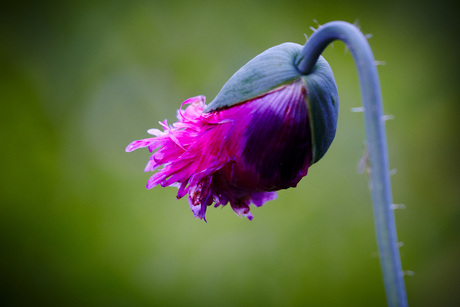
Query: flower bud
[
  {"x": 275, "y": 67},
  {"x": 260, "y": 134}
]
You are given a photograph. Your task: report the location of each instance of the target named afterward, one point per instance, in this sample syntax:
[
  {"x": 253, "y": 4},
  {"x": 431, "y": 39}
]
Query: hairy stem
[{"x": 380, "y": 185}]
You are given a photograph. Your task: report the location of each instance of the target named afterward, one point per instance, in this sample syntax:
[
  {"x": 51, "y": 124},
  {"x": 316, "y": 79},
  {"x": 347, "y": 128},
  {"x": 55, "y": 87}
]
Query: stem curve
[{"x": 380, "y": 185}]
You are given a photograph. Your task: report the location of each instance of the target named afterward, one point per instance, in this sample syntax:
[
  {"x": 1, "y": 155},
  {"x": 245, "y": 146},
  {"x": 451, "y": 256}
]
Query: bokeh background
[{"x": 81, "y": 80}]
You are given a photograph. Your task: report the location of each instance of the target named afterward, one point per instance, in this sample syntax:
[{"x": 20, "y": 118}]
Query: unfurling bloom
[{"x": 260, "y": 134}]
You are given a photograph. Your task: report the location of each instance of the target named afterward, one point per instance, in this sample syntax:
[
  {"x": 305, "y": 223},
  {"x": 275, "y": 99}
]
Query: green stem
[{"x": 380, "y": 185}]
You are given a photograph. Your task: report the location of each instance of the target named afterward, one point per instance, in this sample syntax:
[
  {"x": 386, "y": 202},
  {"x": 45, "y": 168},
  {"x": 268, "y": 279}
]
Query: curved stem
[{"x": 380, "y": 186}]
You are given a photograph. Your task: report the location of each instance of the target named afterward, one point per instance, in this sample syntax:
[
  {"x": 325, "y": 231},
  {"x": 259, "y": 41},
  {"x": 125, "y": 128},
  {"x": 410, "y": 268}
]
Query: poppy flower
[{"x": 261, "y": 133}]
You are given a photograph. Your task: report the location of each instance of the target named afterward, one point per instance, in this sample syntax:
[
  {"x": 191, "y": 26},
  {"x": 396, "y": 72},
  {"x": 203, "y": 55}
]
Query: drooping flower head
[{"x": 260, "y": 134}]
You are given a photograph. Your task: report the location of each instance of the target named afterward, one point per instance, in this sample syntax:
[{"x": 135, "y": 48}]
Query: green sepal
[
  {"x": 323, "y": 107},
  {"x": 270, "y": 69},
  {"x": 275, "y": 67}
]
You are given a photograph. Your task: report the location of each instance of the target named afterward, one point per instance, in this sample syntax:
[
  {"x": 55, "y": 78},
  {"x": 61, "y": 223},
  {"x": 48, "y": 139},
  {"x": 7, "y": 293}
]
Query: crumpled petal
[{"x": 238, "y": 155}]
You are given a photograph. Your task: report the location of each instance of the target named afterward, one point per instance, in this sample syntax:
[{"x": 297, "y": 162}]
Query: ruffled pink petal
[
  {"x": 155, "y": 132},
  {"x": 139, "y": 144},
  {"x": 239, "y": 155}
]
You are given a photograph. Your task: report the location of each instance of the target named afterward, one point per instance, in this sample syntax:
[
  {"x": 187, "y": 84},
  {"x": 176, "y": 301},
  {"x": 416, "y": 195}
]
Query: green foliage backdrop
[{"x": 80, "y": 80}]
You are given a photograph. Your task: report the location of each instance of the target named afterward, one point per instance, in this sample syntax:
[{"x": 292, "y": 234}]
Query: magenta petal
[
  {"x": 183, "y": 189},
  {"x": 155, "y": 179},
  {"x": 151, "y": 165},
  {"x": 138, "y": 144},
  {"x": 239, "y": 155}
]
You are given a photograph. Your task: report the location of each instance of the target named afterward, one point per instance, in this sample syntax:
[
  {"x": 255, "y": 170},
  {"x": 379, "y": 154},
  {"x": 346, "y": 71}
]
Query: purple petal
[{"x": 259, "y": 199}]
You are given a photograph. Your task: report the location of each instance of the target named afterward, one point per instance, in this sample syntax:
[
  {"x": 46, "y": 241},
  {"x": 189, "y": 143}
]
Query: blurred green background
[{"x": 81, "y": 80}]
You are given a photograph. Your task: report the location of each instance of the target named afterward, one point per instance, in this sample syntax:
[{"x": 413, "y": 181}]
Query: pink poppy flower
[{"x": 238, "y": 153}]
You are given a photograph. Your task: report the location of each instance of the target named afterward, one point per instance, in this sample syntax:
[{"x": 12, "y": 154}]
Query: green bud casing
[{"x": 276, "y": 67}]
